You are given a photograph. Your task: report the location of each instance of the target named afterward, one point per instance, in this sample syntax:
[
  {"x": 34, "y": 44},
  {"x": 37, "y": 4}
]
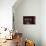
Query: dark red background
[{"x": 28, "y": 19}]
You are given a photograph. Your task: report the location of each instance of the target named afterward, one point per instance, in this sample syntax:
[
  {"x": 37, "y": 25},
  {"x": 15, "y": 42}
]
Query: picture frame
[{"x": 29, "y": 19}]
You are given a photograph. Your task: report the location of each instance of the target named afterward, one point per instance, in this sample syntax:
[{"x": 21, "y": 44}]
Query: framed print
[{"x": 28, "y": 19}]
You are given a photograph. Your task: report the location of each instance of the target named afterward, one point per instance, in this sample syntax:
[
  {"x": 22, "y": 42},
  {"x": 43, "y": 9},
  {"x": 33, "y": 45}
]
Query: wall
[
  {"x": 6, "y": 13},
  {"x": 43, "y": 22},
  {"x": 28, "y": 8}
]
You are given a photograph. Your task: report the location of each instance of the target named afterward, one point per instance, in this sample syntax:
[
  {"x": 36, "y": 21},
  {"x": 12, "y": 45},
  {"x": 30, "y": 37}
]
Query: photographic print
[{"x": 28, "y": 19}]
